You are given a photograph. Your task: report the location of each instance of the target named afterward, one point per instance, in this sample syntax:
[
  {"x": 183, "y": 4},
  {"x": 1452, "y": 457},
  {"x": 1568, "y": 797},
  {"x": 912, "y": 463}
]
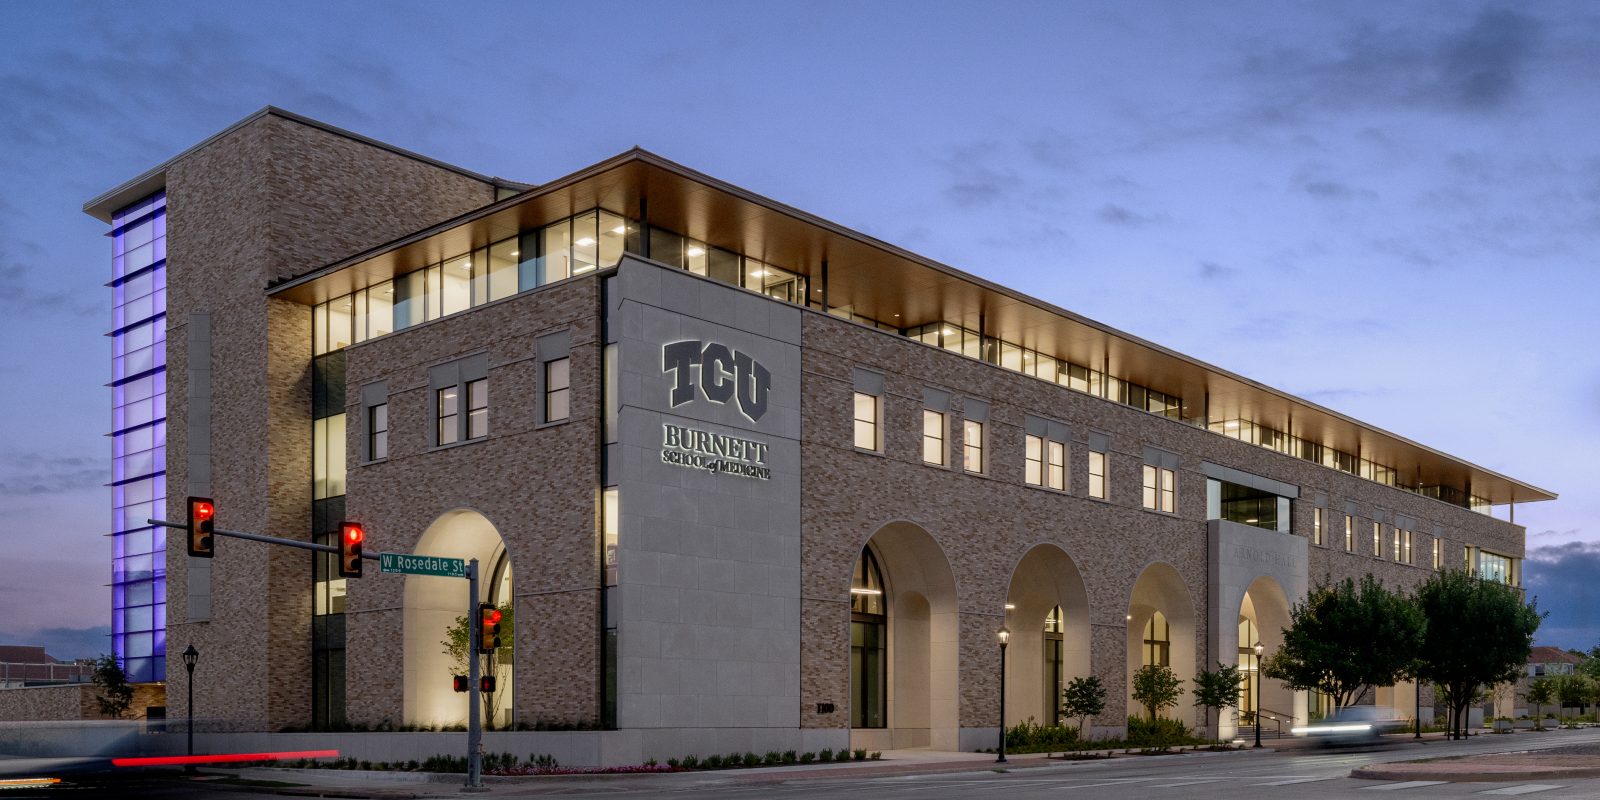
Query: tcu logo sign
[{"x": 723, "y": 373}]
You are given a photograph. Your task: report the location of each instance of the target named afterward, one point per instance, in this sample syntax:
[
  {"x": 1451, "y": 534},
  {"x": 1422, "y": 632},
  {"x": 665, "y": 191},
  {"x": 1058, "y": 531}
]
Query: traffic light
[
  {"x": 202, "y": 521},
  {"x": 488, "y": 628},
  {"x": 486, "y": 684},
  {"x": 460, "y": 682},
  {"x": 350, "y": 537}
]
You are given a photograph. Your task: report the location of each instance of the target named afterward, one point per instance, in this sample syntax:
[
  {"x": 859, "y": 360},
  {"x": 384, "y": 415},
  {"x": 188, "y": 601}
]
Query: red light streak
[{"x": 220, "y": 758}]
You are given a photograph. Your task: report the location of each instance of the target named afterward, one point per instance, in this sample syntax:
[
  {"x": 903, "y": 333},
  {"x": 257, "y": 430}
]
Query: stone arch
[
  {"x": 1264, "y": 610},
  {"x": 922, "y": 637},
  {"x": 1045, "y": 578},
  {"x": 1161, "y": 590},
  {"x": 432, "y": 604}
]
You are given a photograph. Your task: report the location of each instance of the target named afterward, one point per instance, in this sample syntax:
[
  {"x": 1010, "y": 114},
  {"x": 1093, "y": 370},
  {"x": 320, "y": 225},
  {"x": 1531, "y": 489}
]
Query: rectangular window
[
  {"x": 1033, "y": 460},
  {"x": 478, "y": 408},
  {"x": 972, "y": 445},
  {"x": 1316, "y": 526},
  {"x": 1349, "y": 534},
  {"x": 448, "y": 412},
  {"x": 557, "y": 389},
  {"x": 1438, "y": 554},
  {"x": 1055, "y": 475},
  {"x": 1402, "y": 546},
  {"x": 1494, "y": 567},
  {"x": 933, "y": 449},
  {"x": 1097, "y": 474},
  {"x": 866, "y": 421},
  {"x": 1160, "y": 490},
  {"x": 1377, "y": 540},
  {"x": 378, "y": 431}
]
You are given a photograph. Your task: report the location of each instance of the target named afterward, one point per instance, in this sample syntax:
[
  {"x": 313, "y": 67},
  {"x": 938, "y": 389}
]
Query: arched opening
[
  {"x": 433, "y": 605},
  {"x": 1161, "y": 631},
  {"x": 1263, "y": 614},
  {"x": 904, "y": 635},
  {"x": 1047, "y": 612}
]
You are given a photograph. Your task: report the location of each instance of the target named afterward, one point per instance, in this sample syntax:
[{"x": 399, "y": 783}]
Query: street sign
[{"x": 406, "y": 564}]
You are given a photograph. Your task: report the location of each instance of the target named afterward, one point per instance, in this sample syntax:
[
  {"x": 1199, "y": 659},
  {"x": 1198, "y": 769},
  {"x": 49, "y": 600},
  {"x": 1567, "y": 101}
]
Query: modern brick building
[{"x": 749, "y": 480}]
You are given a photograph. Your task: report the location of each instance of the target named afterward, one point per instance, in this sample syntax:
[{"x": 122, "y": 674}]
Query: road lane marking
[
  {"x": 1110, "y": 782},
  {"x": 1288, "y": 781},
  {"x": 1185, "y": 783},
  {"x": 1526, "y": 788},
  {"x": 1391, "y": 787}
]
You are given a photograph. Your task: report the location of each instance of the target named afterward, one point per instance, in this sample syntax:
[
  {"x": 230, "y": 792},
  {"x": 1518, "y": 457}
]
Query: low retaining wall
[{"x": 37, "y": 703}]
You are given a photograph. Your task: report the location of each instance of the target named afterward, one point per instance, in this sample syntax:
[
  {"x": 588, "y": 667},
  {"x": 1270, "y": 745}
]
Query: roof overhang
[{"x": 888, "y": 283}]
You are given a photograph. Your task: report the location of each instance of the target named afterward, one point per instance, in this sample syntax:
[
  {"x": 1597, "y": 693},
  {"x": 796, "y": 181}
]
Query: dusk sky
[{"x": 1392, "y": 209}]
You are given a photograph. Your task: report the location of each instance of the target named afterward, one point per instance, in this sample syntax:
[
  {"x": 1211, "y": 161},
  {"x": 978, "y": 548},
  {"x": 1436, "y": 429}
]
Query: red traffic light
[
  {"x": 486, "y": 684},
  {"x": 492, "y": 616},
  {"x": 488, "y": 628},
  {"x": 351, "y": 535},
  {"x": 201, "y": 524},
  {"x": 459, "y": 682}
]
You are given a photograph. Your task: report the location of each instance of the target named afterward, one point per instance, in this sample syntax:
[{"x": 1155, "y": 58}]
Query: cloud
[
  {"x": 974, "y": 181},
  {"x": 1480, "y": 67},
  {"x": 65, "y": 644},
  {"x": 1565, "y": 579},
  {"x": 1121, "y": 215},
  {"x": 31, "y": 474},
  {"x": 19, "y": 296},
  {"x": 1212, "y": 271}
]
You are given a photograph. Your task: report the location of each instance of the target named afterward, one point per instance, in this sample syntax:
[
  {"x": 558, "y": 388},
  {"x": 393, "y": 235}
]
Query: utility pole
[{"x": 474, "y": 697}]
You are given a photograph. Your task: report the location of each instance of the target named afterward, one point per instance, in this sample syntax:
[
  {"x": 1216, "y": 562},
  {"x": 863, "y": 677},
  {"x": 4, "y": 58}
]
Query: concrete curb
[{"x": 1471, "y": 774}]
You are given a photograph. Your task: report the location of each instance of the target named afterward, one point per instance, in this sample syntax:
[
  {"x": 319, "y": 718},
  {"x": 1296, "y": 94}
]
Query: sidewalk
[{"x": 1562, "y": 763}]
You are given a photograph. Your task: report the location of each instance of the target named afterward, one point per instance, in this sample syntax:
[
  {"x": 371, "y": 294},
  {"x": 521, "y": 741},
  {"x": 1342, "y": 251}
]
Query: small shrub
[
  {"x": 674, "y": 763},
  {"x": 691, "y": 762},
  {"x": 650, "y": 763},
  {"x": 713, "y": 762},
  {"x": 772, "y": 757},
  {"x": 876, "y": 754},
  {"x": 861, "y": 754},
  {"x": 543, "y": 761},
  {"x": 789, "y": 757},
  {"x": 751, "y": 759},
  {"x": 807, "y": 758},
  {"x": 825, "y": 755},
  {"x": 412, "y": 765}
]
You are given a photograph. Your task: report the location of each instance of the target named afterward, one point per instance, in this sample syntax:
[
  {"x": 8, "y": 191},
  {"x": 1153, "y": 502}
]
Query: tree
[
  {"x": 1571, "y": 691},
  {"x": 1218, "y": 688},
  {"x": 1156, "y": 687},
  {"x": 115, "y": 695},
  {"x": 1479, "y": 632},
  {"x": 1346, "y": 638},
  {"x": 458, "y": 645},
  {"x": 1540, "y": 693},
  {"x": 1083, "y": 698}
]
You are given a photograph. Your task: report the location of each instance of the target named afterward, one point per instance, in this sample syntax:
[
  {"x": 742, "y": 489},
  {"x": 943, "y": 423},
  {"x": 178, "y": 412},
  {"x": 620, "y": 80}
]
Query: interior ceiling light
[
  {"x": 697, "y": 251},
  {"x": 758, "y": 273},
  {"x": 586, "y": 241},
  {"x": 620, "y": 229},
  {"x": 948, "y": 332},
  {"x": 854, "y": 590},
  {"x": 516, "y": 252},
  {"x": 1231, "y": 424}
]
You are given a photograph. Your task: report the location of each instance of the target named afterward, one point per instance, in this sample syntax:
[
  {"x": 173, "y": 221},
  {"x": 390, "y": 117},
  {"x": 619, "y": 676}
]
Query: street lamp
[
  {"x": 190, "y": 656},
  {"x": 1257, "y": 692},
  {"x": 1005, "y": 637}
]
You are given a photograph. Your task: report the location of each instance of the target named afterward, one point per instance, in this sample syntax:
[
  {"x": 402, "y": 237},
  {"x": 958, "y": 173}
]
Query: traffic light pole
[
  {"x": 474, "y": 698},
  {"x": 257, "y": 537}
]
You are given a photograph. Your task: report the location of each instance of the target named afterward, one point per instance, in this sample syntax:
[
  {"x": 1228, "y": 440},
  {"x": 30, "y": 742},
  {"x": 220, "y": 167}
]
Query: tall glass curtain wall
[
  {"x": 596, "y": 239},
  {"x": 139, "y": 437},
  {"x": 327, "y": 509}
]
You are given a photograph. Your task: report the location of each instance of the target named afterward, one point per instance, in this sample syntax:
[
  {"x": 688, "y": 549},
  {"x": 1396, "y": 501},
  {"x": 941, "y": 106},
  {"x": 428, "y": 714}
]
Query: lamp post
[
  {"x": 1005, "y": 637},
  {"x": 1257, "y": 692},
  {"x": 190, "y": 656},
  {"x": 1416, "y": 693}
]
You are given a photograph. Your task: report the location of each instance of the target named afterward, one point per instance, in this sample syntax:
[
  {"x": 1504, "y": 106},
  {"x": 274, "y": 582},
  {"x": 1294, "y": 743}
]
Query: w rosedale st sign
[{"x": 406, "y": 564}]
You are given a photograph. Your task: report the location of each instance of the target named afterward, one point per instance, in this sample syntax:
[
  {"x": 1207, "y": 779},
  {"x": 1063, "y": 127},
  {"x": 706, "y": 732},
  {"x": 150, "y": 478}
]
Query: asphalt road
[{"x": 1290, "y": 773}]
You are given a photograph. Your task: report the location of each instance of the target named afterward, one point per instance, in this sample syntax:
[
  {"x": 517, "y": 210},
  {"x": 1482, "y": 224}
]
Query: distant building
[
  {"x": 1550, "y": 661},
  {"x": 25, "y": 665}
]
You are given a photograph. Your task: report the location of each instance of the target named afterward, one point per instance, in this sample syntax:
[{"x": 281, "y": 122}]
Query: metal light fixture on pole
[
  {"x": 1416, "y": 693},
  {"x": 190, "y": 656},
  {"x": 1257, "y": 692},
  {"x": 1005, "y": 638}
]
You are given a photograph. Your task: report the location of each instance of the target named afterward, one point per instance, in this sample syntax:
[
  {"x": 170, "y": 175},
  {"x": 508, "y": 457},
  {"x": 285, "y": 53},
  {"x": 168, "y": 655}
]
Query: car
[{"x": 1350, "y": 725}]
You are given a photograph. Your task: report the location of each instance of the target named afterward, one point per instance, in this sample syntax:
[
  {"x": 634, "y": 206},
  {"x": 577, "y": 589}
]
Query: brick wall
[{"x": 271, "y": 199}]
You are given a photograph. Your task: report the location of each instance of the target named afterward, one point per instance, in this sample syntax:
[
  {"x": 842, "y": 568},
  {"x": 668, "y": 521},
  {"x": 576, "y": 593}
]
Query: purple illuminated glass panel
[{"x": 139, "y": 437}]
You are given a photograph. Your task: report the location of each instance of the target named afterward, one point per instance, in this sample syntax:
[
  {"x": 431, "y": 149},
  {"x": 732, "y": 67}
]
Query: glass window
[
  {"x": 1438, "y": 554},
  {"x": 1056, "y": 465},
  {"x": 555, "y": 253},
  {"x": 610, "y": 523},
  {"x": 1349, "y": 534},
  {"x": 868, "y": 638},
  {"x": 448, "y": 413},
  {"x": 613, "y": 238},
  {"x": 972, "y": 446},
  {"x": 500, "y": 275},
  {"x": 1377, "y": 540},
  {"x": 455, "y": 286},
  {"x": 1033, "y": 460},
  {"x": 1494, "y": 567},
  {"x": 328, "y": 472},
  {"x": 866, "y": 421},
  {"x": 1097, "y": 474},
  {"x": 1157, "y": 641},
  {"x": 1316, "y": 526},
  {"x": 1160, "y": 491},
  {"x": 378, "y": 431},
  {"x": 478, "y": 408},
  {"x": 557, "y": 389},
  {"x": 585, "y": 243},
  {"x": 933, "y": 449}
]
